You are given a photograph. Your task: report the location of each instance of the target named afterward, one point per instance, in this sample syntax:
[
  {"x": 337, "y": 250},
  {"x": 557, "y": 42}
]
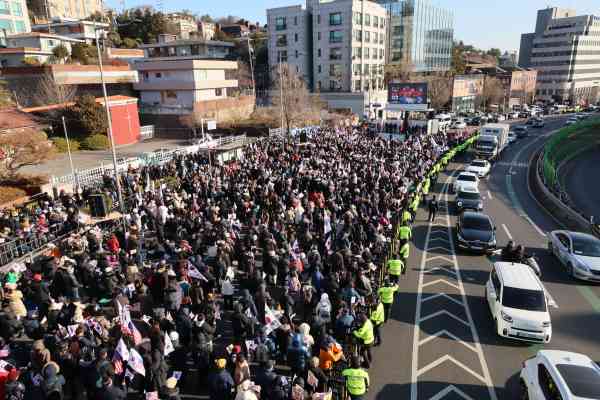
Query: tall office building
[
  {"x": 337, "y": 46},
  {"x": 14, "y": 17},
  {"x": 419, "y": 34},
  {"x": 565, "y": 50}
]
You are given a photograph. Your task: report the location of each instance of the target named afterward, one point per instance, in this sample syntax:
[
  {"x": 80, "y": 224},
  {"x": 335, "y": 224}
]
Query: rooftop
[
  {"x": 22, "y": 50},
  {"x": 517, "y": 276},
  {"x": 43, "y": 35},
  {"x": 111, "y": 100},
  {"x": 184, "y": 42}
]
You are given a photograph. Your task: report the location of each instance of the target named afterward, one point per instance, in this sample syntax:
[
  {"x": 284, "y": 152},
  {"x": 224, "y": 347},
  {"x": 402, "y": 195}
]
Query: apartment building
[
  {"x": 290, "y": 40},
  {"x": 419, "y": 35},
  {"x": 184, "y": 25},
  {"x": 179, "y": 77},
  {"x": 338, "y": 46},
  {"x": 206, "y": 30},
  {"x": 82, "y": 30},
  {"x": 565, "y": 51},
  {"x": 45, "y": 11},
  {"x": 14, "y": 17},
  {"x": 30, "y": 46}
]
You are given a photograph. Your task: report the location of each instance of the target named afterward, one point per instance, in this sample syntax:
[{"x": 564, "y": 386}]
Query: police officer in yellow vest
[
  {"x": 406, "y": 217},
  {"x": 366, "y": 337},
  {"x": 395, "y": 267},
  {"x": 386, "y": 294},
  {"x": 404, "y": 232},
  {"x": 357, "y": 379},
  {"x": 377, "y": 318}
]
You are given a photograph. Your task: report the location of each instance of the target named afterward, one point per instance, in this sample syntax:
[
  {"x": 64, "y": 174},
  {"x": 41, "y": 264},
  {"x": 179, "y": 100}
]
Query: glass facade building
[{"x": 420, "y": 34}]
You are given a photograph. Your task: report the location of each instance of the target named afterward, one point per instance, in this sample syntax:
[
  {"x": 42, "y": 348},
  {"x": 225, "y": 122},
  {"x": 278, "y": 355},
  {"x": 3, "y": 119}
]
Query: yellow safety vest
[
  {"x": 356, "y": 380},
  {"x": 404, "y": 232},
  {"x": 404, "y": 250},
  {"x": 378, "y": 315},
  {"x": 365, "y": 332},
  {"x": 406, "y": 216},
  {"x": 395, "y": 267},
  {"x": 386, "y": 293}
]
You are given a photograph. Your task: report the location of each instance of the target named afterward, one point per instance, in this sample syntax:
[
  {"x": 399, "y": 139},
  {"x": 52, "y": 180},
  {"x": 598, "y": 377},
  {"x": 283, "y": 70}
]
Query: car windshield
[
  {"x": 584, "y": 246},
  {"x": 523, "y": 299},
  {"x": 478, "y": 163},
  {"x": 467, "y": 178},
  {"x": 477, "y": 223},
  {"x": 582, "y": 381},
  {"x": 468, "y": 196}
]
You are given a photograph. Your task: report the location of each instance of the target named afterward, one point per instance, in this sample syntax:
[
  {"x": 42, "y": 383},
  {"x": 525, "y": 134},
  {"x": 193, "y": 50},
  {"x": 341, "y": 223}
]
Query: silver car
[{"x": 578, "y": 252}]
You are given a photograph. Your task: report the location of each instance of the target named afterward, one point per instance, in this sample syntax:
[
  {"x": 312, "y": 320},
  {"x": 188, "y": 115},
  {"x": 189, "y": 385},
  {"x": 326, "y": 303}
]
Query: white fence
[
  {"x": 146, "y": 132},
  {"x": 93, "y": 176}
]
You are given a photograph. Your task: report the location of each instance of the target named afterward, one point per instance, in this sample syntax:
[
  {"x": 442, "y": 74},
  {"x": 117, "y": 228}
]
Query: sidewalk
[{"x": 90, "y": 159}]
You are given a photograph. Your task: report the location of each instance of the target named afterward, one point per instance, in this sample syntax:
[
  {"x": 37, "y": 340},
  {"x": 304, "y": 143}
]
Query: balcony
[
  {"x": 281, "y": 42},
  {"x": 281, "y": 27},
  {"x": 180, "y": 84}
]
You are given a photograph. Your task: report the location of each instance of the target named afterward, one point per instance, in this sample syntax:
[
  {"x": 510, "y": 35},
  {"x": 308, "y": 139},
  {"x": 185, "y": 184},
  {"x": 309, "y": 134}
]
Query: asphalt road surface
[
  {"x": 579, "y": 176},
  {"x": 440, "y": 341}
]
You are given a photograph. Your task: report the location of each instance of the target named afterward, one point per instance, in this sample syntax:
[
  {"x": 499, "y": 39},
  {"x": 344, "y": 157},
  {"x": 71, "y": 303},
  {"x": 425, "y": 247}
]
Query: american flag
[
  {"x": 117, "y": 363},
  {"x": 137, "y": 336}
]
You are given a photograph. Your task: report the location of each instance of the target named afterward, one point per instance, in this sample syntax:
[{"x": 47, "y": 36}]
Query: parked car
[
  {"x": 521, "y": 131},
  {"x": 557, "y": 374},
  {"x": 468, "y": 199},
  {"x": 475, "y": 121},
  {"x": 512, "y": 137},
  {"x": 514, "y": 115},
  {"x": 571, "y": 121},
  {"x": 578, "y": 252},
  {"x": 459, "y": 125},
  {"x": 465, "y": 179},
  {"x": 539, "y": 123},
  {"x": 517, "y": 302},
  {"x": 475, "y": 232},
  {"x": 480, "y": 167}
]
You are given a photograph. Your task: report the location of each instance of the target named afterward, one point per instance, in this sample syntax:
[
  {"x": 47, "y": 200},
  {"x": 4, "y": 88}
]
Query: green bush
[
  {"x": 61, "y": 144},
  {"x": 95, "y": 142}
]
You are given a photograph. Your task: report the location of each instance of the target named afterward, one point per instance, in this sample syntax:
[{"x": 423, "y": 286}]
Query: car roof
[
  {"x": 478, "y": 160},
  {"x": 565, "y": 357},
  {"x": 469, "y": 189},
  {"x": 467, "y": 173},
  {"x": 519, "y": 276},
  {"x": 475, "y": 215},
  {"x": 581, "y": 235}
]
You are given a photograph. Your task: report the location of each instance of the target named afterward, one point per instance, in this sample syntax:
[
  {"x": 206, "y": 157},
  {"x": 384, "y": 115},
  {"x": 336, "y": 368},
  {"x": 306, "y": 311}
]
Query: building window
[
  {"x": 318, "y": 85},
  {"x": 367, "y": 20},
  {"x": 282, "y": 56},
  {"x": 374, "y": 54},
  {"x": 295, "y": 20},
  {"x": 145, "y": 76},
  {"x": 318, "y": 35},
  {"x": 319, "y": 69},
  {"x": 158, "y": 75},
  {"x": 335, "y": 53},
  {"x": 398, "y": 30},
  {"x": 381, "y": 54},
  {"x": 358, "y": 35},
  {"x": 367, "y": 36},
  {"x": 218, "y": 92},
  {"x": 397, "y": 44},
  {"x": 366, "y": 54},
  {"x": 280, "y": 24},
  {"x": 335, "y": 37},
  {"x": 318, "y": 19},
  {"x": 296, "y": 54},
  {"x": 20, "y": 27},
  {"x": 357, "y": 69},
  {"x": 169, "y": 95},
  {"x": 335, "y": 70},
  {"x": 5, "y": 24},
  {"x": 357, "y": 52},
  {"x": 318, "y": 52},
  {"x": 358, "y": 18},
  {"x": 357, "y": 85},
  {"x": 295, "y": 37},
  {"x": 375, "y": 21},
  {"x": 335, "y": 18},
  {"x": 17, "y": 9},
  {"x": 375, "y": 37},
  {"x": 281, "y": 40},
  {"x": 4, "y": 8}
]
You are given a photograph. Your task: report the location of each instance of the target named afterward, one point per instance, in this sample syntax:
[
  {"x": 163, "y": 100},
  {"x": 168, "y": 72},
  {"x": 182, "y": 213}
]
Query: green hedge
[
  {"x": 95, "y": 142},
  {"x": 566, "y": 144},
  {"x": 61, "y": 144}
]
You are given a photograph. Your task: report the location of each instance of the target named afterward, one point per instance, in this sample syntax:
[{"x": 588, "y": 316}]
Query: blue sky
[{"x": 483, "y": 23}]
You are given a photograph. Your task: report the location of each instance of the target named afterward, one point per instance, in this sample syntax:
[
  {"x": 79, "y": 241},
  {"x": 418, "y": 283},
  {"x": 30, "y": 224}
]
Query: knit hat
[{"x": 221, "y": 363}]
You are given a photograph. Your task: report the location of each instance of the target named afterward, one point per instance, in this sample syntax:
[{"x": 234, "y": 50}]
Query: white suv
[
  {"x": 555, "y": 374},
  {"x": 517, "y": 301},
  {"x": 465, "y": 180},
  {"x": 479, "y": 167}
]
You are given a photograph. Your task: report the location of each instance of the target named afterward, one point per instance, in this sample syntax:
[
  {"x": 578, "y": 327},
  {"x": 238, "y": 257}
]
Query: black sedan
[
  {"x": 475, "y": 232},
  {"x": 468, "y": 199}
]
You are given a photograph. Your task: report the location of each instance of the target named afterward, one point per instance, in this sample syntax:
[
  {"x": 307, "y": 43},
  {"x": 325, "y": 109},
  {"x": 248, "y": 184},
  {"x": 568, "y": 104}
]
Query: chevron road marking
[
  {"x": 440, "y": 268},
  {"x": 485, "y": 378},
  {"x": 439, "y": 239}
]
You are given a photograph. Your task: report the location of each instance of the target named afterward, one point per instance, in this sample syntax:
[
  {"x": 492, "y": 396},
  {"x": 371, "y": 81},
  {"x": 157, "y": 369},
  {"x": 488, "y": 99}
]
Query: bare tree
[
  {"x": 403, "y": 71},
  {"x": 439, "y": 89},
  {"x": 292, "y": 98},
  {"x": 49, "y": 92},
  {"x": 493, "y": 91},
  {"x": 23, "y": 147}
]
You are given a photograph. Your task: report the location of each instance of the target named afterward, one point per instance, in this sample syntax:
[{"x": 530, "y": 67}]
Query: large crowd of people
[{"x": 269, "y": 277}]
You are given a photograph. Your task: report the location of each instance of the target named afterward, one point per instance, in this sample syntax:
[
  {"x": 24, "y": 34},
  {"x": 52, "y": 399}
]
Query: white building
[
  {"x": 338, "y": 46},
  {"x": 179, "y": 76},
  {"x": 14, "y": 16},
  {"x": 33, "y": 45},
  {"x": 82, "y": 30},
  {"x": 565, "y": 51}
]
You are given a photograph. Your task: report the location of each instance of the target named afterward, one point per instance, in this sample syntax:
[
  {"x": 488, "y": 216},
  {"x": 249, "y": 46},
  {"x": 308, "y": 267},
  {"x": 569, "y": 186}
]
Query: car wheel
[{"x": 524, "y": 392}]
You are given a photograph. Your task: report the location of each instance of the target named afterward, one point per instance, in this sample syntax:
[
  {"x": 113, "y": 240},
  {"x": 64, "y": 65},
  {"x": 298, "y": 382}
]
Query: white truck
[{"x": 492, "y": 140}]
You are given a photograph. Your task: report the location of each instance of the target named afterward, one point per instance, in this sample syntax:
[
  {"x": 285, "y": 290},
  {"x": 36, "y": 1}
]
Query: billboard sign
[{"x": 407, "y": 96}]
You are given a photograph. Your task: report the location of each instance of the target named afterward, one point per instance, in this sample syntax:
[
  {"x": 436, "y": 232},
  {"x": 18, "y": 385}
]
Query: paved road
[
  {"x": 578, "y": 177},
  {"x": 453, "y": 353}
]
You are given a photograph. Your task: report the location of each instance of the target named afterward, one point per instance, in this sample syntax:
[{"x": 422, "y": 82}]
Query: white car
[
  {"x": 465, "y": 180},
  {"x": 517, "y": 302},
  {"x": 480, "y": 167},
  {"x": 556, "y": 374},
  {"x": 578, "y": 252},
  {"x": 514, "y": 115},
  {"x": 571, "y": 121},
  {"x": 459, "y": 125},
  {"x": 512, "y": 137}
]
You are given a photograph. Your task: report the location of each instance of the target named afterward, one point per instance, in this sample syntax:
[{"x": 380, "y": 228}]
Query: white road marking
[
  {"x": 439, "y": 334},
  {"x": 444, "y": 312},
  {"x": 441, "y": 281},
  {"x": 476, "y": 347},
  {"x": 537, "y": 228},
  {"x": 490, "y": 194},
  {"x": 440, "y": 268},
  {"x": 507, "y": 231},
  {"x": 551, "y": 302}
]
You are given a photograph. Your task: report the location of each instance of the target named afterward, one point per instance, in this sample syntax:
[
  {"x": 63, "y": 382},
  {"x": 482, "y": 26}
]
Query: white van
[{"x": 517, "y": 301}]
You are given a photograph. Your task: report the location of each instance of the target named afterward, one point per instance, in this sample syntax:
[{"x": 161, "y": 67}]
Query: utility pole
[
  {"x": 250, "y": 55},
  {"x": 64, "y": 124},
  {"x": 110, "y": 130},
  {"x": 281, "y": 96}
]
